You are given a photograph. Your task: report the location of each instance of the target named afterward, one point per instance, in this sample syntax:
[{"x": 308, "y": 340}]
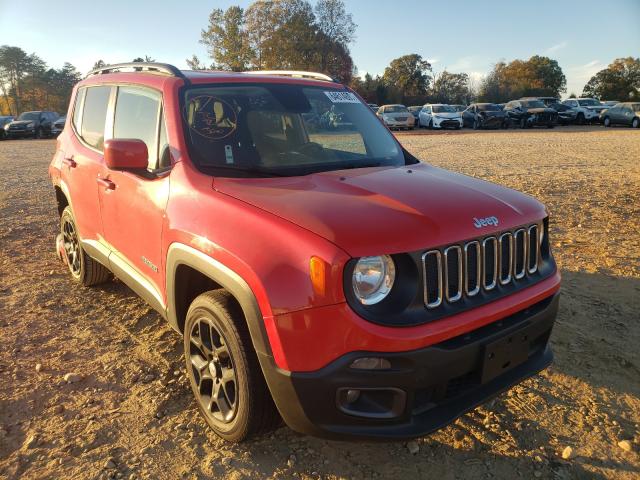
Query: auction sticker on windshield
[{"x": 342, "y": 97}]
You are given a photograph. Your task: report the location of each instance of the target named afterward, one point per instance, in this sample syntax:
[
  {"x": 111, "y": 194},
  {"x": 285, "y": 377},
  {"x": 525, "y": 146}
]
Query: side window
[
  {"x": 77, "y": 108},
  {"x": 94, "y": 115},
  {"x": 137, "y": 114}
]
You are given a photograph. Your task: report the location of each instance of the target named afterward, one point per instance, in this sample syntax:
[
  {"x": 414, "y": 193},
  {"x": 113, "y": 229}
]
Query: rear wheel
[
  {"x": 223, "y": 369},
  {"x": 84, "y": 269}
]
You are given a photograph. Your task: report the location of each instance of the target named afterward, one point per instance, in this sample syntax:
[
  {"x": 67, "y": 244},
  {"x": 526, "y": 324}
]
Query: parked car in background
[
  {"x": 31, "y": 124},
  {"x": 396, "y": 116},
  {"x": 530, "y": 113},
  {"x": 588, "y": 109},
  {"x": 4, "y": 120},
  {"x": 625, "y": 113},
  {"x": 459, "y": 108},
  {"x": 439, "y": 116},
  {"x": 415, "y": 111},
  {"x": 373, "y": 106},
  {"x": 484, "y": 115},
  {"x": 58, "y": 126},
  {"x": 566, "y": 114}
]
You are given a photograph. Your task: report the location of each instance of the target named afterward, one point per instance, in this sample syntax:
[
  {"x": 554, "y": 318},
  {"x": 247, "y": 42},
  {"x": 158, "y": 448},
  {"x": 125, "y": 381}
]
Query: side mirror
[{"x": 126, "y": 154}]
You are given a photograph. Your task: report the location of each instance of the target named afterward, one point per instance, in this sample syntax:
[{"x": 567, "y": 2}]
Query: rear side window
[
  {"x": 77, "y": 109},
  {"x": 95, "y": 115},
  {"x": 137, "y": 116}
]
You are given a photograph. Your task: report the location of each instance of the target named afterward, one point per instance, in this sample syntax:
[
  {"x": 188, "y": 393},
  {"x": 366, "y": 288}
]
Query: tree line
[{"x": 294, "y": 35}]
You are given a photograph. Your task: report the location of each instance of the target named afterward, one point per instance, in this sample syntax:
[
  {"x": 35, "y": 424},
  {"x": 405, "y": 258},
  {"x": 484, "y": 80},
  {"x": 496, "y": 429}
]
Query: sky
[{"x": 584, "y": 36}]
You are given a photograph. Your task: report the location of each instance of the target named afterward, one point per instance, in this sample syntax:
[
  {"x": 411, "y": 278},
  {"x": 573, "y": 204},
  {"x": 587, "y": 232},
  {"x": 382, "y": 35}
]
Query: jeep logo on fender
[{"x": 485, "y": 222}]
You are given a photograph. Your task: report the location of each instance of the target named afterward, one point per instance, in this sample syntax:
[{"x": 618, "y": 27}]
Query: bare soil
[{"x": 131, "y": 414}]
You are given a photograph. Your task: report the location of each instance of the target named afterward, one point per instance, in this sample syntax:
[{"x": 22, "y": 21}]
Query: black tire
[
  {"x": 249, "y": 408},
  {"x": 606, "y": 122},
  {"x": 635, "y": 123},
  {"x": 38, "y": 134},
  {"x": 84, "y": 269},
  {"x": 550, "y": 125},
  {"x": 430, "y": 124},
  {"x": 523, "y": 123},
  {"x": 476, "y": 124},
  {"x": 580, "y": 119}
]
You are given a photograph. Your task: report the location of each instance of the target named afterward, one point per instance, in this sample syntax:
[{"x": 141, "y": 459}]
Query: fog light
[
  {"x": 352, "y": 396},
  {"x": 371, "y": 363}
]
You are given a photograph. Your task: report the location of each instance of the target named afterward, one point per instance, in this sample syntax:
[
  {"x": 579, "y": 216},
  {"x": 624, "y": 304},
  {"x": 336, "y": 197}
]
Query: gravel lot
[{"x": 131, "y": 414}]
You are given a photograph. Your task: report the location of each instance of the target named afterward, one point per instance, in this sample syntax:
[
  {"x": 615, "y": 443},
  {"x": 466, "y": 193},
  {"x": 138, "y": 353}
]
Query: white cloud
[
  {"x": 433, "y": 61},
  {"x": 579, "y": 75},
  {"x": 556, "y": 47}
]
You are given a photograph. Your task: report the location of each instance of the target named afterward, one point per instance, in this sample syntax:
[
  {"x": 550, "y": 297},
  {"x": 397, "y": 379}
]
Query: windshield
[
  {"x": 533, "y": 104},
  {"x": 488, "y": 107},
  {"x": 589, "y": 103},
  {"x": 443, "y": 109},
  {"x": 28, "y": 116},
  {"x": 284, "y": 129},
  {"x": 395, "y": 109}
]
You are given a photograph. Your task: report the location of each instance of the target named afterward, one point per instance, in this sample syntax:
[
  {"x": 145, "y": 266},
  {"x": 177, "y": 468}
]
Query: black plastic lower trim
[{"x": 439, "y": 383}]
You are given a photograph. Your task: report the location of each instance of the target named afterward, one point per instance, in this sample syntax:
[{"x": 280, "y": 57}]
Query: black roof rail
[{"x": 163, "y": 68}]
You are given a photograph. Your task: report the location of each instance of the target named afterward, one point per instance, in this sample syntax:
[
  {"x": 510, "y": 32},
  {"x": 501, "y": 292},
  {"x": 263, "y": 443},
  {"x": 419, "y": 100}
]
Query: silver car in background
[{"x": 396, "y": 116}]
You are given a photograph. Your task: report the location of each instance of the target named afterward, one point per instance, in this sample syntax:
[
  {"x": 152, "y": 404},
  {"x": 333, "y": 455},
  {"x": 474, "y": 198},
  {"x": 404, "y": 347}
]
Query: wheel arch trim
[{"x": 180, "y": 254}]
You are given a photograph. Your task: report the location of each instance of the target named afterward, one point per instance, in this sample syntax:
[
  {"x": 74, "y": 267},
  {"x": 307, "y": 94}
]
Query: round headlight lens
[{"x": 373, "y": 279}]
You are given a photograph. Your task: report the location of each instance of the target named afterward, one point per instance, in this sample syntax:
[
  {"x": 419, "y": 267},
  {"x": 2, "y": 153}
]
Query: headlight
[
  {"x": 30, "y": 125},
  {"x": 6, "y": 127},
  {"x": 373, "y": 279}
]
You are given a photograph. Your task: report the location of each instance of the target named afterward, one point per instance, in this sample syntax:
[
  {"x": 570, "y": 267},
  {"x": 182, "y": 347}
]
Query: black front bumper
[{"x": 425, "y": 389}]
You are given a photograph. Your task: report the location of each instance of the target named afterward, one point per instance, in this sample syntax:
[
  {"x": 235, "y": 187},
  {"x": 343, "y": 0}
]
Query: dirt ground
[{"x": 131, "y": 414}]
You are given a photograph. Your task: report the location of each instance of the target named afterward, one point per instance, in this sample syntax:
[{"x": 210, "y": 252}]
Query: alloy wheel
[
  {"x": 72, "y": 247},
  {"x": 212, "y": 371}
]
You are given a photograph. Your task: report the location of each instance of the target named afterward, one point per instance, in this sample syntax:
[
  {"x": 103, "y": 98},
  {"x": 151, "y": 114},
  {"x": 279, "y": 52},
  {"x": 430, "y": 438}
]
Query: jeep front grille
[{"x": 460, "y": 271}]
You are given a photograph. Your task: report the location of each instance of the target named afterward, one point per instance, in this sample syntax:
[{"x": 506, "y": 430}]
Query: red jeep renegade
[{"x": 317, "y": 271}]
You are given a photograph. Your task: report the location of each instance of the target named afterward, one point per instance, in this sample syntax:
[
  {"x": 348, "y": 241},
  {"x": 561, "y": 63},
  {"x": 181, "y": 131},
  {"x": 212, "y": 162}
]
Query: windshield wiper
[
  {"x": 254, "y": 170},
  {"x": 350, "y": 166}
]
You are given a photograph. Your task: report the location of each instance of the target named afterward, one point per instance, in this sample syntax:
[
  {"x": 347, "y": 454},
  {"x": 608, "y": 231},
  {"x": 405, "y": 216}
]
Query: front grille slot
[
  {"x": 453, "y": 273},
  {"x": 476, "y": 268},
  {"x": 534, "y": 249},
  {"x": 520, "y": 253},
  {"x": 472, "y": 268},
  {"x": 490, "y": 263},
  {"x": 505, "y": 248},
  {"x": 432, "y": 275}
]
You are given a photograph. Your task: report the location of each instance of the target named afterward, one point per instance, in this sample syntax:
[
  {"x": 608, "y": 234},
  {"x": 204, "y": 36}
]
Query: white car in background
[
  {"x": 438, "y": 115},
  {"x": 588, "y": 109},
  {"x": 396, "y": 116}
]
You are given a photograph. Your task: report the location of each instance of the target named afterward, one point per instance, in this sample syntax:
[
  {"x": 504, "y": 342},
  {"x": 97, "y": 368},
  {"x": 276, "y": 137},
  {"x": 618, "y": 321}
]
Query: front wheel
[
  {"x": 84, "y": 269},
  {"x": 523, "y": 123},
  {"x": 580, "y": 119},
  {"x": 223, "y": 369},
  {"x": 431, "y": 124},
  {"x": 607, "y": 122},
  {"x": 635, "y": 123},
  {"x": 476, "y": 124}
]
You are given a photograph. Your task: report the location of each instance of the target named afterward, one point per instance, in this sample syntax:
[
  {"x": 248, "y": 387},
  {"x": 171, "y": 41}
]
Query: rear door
[
  {"x": 133, "y": 204},
  {"x": 83, "y": 161}
]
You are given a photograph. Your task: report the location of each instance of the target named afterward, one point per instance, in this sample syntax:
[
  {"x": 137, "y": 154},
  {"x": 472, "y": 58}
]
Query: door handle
[
  {"x": 70, "y": 162},
  {"x": 107, "y": 184}
]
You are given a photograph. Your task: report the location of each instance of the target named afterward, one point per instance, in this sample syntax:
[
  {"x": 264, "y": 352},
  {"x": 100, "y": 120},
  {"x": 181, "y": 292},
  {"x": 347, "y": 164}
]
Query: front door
[{"x": 133, "y": 204}]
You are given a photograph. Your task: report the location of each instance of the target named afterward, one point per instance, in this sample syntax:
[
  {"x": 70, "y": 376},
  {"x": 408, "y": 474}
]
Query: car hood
[
  {"x": 447, "y": 115},
  {"x": 541, "y": 110},
  {"x": 492, "y": 113},
  {"x": 370, "y": 211},
  {"x": 21, "y": 122}
]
